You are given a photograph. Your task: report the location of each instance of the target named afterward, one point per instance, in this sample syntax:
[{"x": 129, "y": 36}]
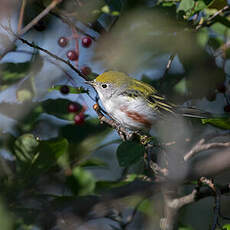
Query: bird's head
[{"x": 109, "y": 83}]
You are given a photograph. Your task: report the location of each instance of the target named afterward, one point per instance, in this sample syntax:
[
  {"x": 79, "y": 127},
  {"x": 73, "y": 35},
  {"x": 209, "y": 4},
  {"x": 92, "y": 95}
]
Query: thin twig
[
  {"x": 22, "y": 10},
  {"x": 210, "y": 19},
  {"x": 201, "y": 146},
  {"x": 55, "y": 56},
  {"x": 172, "y": 56},
  {"x": 216, "y": 209},
  {"x": 217, "y": 193},
  {"x": 51, "y": 6},
  {"x": 11, "y": 47}
]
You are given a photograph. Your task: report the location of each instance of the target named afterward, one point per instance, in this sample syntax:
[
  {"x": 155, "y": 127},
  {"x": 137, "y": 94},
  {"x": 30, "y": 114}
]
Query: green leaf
[
  {"x": 59, "y": 108},
  {"x": 202, "y": 37},
  {"x": 106, "y": 185},
  {"x": 84, "y": 138},
  {"x": 223, "y": 123},
  {"x": 219, "y": 28},
  {"x": 11, "y": 72},
  {"x": 201, "y": 5},
  {"x": 6, "y": 222},
  {"x": 185, "y": 228},
  {"x": 105, "y": 9},
  {"x": 214, "y": 42},
  {"x": 78, "y": 133},
  {"x": 129, "y": 152},
  {"x": 168, "y": 4},
  {"x": 185, "y": 5},
  {"x": 146, "y": 207},
  {"x": 24, "y": 95},
  {"x": 52, "y": 152},
  {"x": 81, "y": 182},
  {"x": 93, "y": 162},
  {"x": 218, "y": 4},
  {"x": 25, "y": 148},
  {"x": 226, "y": 227},
  {"x": 181, "y": 87},
  {"x": 28, "y": 122}
]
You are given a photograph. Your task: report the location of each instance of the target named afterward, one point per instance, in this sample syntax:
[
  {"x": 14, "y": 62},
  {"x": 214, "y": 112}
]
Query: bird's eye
[{"x": 104, "y": 86}]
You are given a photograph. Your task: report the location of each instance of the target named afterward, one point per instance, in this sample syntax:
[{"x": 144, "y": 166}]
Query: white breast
[{"x": 124, "y": 110}]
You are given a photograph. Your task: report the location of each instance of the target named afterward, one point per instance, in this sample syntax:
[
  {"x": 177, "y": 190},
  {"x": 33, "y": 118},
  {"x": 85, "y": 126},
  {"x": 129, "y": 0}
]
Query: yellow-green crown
[
  {"x": 121, "y": 79},
  {"x": 113, "y": 77}
]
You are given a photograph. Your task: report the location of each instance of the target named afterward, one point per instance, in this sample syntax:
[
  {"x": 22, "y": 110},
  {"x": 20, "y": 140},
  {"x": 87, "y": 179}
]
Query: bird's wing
[
  {"x": 159, "y": 103},
  {"x": 154, "y": 100}
]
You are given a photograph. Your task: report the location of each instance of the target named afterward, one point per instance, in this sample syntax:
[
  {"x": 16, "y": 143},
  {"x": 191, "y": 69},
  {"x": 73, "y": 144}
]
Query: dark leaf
[
  {"x": 129, "y": 152},
  {"x": 81, "y": 182}
]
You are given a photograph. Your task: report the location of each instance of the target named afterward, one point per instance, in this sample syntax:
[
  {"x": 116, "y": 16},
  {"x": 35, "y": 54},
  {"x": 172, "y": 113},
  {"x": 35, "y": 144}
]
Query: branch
[
  {"x": 173, "y": 205},
  {"x": 211, "y": 165},
  {"x": 172, "y": 56},
  {"x": 28, "y": 26},
  {"x": 22, "y": 10},
  {"x": 55, "y": 56},
  {"x": 51, "y": 6},
  {"x": 201, "y": 146},
  {"x": 210, "y": 19}
]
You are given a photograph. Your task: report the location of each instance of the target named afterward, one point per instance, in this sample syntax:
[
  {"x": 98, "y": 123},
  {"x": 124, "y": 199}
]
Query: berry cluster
[
  {"x": 79, "y": 118},
  {"x": 221, "y": 88},
  {"x": 73, "y": 54}
]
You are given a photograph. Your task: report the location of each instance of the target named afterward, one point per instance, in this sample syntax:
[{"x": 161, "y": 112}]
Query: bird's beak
[{"x": 92, "y": 83}]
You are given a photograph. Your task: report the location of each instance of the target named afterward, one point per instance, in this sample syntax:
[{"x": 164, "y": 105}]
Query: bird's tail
[{"x": 194, "y": 112}]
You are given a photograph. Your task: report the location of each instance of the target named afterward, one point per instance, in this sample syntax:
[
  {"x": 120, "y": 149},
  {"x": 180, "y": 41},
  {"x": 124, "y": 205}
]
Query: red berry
[
  {"x": 64, "y": 89},
  {"x": 227, "y": 108},
  {"x": 86, "y": 70},
  {"x": 72, "y": 55},
  {"x": 62, "y": 41},
  {"x": 73, "y": 107},
  {"x": 86, "y": 42},
  {"x": 221, "y": 88},
  {"x": 211, "y": 96},
  {"x": 79, "y": 119}
]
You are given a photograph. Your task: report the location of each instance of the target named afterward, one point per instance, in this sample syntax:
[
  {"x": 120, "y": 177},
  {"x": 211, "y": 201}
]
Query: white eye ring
[{"x": 104, "y": 86}]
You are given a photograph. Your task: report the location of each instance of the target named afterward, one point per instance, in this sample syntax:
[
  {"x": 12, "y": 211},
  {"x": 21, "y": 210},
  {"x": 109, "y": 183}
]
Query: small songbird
[{"x": 134, "y": 104}]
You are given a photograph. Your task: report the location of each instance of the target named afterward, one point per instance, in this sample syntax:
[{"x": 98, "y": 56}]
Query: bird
[{"x": 136, "y": 105}]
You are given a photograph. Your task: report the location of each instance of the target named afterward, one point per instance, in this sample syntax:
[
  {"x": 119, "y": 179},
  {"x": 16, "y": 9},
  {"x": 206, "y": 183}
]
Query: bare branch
[
  {"x": 28, "y": 26},
  {"x": 54, "y": 56},
  {"x": 22, "y": 10},
  {"x": 169, "y": 63},
  {"x": 51, "y": 6},
  {"x": 211, "y": 165},
  {"x": 201, "y": 146}
]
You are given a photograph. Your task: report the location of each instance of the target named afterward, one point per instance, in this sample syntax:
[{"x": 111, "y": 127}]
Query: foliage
[{"x": 47, "y": 148}]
